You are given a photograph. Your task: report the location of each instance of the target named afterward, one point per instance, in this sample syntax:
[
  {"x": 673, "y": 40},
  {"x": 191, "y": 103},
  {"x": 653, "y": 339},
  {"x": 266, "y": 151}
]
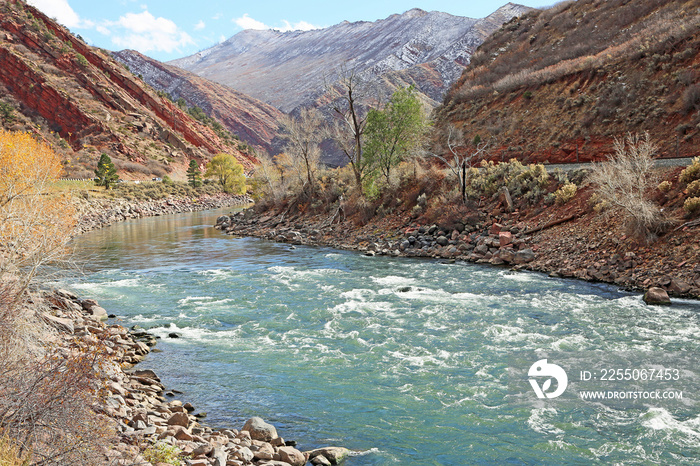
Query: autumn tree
[
  {"x": 45, "y": 395},
  {"x": 303, "y": 135},
  {"x": 461, "y": 155},
  {"x": 228, "y": 172},
  {"x": 35, "y": 226},
  {"x": 269, "y": 180},
  {"x": 194, "y": 175},
  {"x": 106, "y": 173},
  {"x": 393, "y": 132}
]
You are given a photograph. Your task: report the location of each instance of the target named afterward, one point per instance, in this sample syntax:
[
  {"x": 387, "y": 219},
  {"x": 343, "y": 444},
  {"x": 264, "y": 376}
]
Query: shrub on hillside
[
  {"x": 691, "y": 98},
  {"x": 626, "y": 180},
  {"x": 691, "y": 172},
  {"x": 665, "y": 186},
  {"x": 523, "y": 181},
  {"x": 565, "y": 193},
  {"x": 692, "y": 205},
  {"x": 694, "y": 188}
]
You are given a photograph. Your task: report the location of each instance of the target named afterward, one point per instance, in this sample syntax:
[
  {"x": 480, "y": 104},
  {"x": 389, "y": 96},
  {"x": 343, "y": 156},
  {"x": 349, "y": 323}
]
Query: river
[{"x": 408, "y": 362}]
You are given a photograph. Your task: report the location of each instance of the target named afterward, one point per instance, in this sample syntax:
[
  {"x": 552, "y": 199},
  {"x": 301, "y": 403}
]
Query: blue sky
[{"x": 167, "y": 29}]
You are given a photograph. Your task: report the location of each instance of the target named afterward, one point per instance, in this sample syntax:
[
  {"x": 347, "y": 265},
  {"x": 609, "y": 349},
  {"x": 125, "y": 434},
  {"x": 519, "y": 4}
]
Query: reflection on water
[{"x": 404, "y": 360}]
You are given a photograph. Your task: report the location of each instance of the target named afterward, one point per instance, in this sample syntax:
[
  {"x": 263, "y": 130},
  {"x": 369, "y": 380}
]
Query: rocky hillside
[
  {"x": 84, "y": 103},
  {"x": 289, "y": 69},
  {"x": 560, "y": 84},
  {"x": 255, "y": 122}
]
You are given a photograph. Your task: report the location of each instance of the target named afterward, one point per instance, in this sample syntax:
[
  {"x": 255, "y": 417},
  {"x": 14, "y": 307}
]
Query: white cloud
[
  {"x": 145, "y": 33},
  {"x": 199, "y": 26},
  {"x": 62, "y": 11},
  {"x": 246, "y": 22},
  {"x": 300, "y": 26}
]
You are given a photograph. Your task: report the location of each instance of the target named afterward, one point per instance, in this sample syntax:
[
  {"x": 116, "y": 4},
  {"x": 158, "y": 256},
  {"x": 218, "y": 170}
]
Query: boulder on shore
[
  {"x": 334, "y": 455},
  {"x": 656, "y": 296},
  {"x": 260, "y": 430}
]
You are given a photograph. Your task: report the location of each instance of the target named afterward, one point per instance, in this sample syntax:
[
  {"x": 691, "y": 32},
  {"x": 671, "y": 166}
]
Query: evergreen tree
[
  {"x": 194, "y": 175},
  {"x": 106, "y": 173}
]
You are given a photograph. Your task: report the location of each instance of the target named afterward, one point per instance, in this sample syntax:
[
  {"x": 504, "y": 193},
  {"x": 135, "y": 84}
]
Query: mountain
[
  {"x": 289, "y": 70},
  {"x": 253, "y": 121},
  {"x": 561, "y": 84},
  {"x": 84, "y": 103}
]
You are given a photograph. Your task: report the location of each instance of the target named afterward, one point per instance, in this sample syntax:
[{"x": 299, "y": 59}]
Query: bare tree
[
  {"x": 461, "y": 156},
  {"x": 271, "y": 179},
  {"x": 304, "y": 135},
  {"x": 349, "y": 93}
]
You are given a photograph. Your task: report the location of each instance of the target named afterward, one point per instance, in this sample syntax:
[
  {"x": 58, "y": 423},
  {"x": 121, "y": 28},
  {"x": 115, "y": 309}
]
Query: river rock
[
  {"x": 98, "y": 313},
  {"x": 292, "y": 456},
  {"x": 264, "y": 452},
  {"x": 244, "y": 454},
  {"x": 220, "y": 457},
  {"x": 64, "y": 325},
  {"x": 442, "y": 241},
  {"x": 504, "y": 238},
  {"x": 333, "y": 454},
  {"x": 179, "y": 419},
  {"x": 205, "y": 449},
  {"x": 260, "y": 430},
  {"x": 524, "y": 256},
  {"x": 320, "y": 460},
  {"x": 656, "y": 295},
  {"x": 678, "y": 286}
]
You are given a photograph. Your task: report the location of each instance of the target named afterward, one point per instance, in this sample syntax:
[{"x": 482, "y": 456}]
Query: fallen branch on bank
[{"x": 554, "y": 223}]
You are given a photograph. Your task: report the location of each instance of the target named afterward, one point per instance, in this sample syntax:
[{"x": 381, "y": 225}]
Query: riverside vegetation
[
  {"x": 621, "y": 221},
  {"x": 68, "y": 390}
]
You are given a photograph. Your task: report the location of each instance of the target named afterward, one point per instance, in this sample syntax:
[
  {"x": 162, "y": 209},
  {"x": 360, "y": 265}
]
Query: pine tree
[
  {"x": 194, "y": 175},
  {"x": 106, "y": 173}
]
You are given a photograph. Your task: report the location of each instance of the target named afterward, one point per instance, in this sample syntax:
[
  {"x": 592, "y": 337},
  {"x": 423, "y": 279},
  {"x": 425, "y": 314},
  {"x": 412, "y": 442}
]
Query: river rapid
[{"x": 407, "y": 362}]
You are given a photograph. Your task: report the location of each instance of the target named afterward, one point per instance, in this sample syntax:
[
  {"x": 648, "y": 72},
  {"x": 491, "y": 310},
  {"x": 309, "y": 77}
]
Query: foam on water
[
  {"x": 123, "y": 283},
  {"x": 540, "y": 420},
  {"x": 393, "y": 280},
  {"x": 659, "y": 419},
  {"x": 409, "y": 355}
]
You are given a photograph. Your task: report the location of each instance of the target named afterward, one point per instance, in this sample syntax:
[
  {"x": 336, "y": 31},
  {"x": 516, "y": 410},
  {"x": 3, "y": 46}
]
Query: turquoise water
[{"x": 405, "y": 361}]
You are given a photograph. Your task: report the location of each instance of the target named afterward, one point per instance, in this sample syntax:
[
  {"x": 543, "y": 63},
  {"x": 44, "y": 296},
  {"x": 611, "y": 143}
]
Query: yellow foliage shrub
[
  {"x": 692, "y": 205},
  {"x": 694, "y": 188},
  {"x": 10, "y": 454},
  {"x": 34, "y": 225},
  {"x": 565, "y": 193},
  {"x": 691, "y": 172},
  {"x": 665, "y": 186}
]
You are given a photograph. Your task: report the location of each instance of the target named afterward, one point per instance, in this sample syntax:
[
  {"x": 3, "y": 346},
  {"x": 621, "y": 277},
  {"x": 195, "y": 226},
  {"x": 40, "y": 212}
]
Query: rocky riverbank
[
  {"x": 144, "y": 415},
  {"x": 99, "y": 213},
  {"x": 567, "y": 245}
]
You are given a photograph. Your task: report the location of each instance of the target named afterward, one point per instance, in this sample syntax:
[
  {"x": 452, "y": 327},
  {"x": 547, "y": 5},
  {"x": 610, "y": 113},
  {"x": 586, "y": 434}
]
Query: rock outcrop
[
  {"x": 253, "y": 121},
  {"x": 83, "y": 102}
]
